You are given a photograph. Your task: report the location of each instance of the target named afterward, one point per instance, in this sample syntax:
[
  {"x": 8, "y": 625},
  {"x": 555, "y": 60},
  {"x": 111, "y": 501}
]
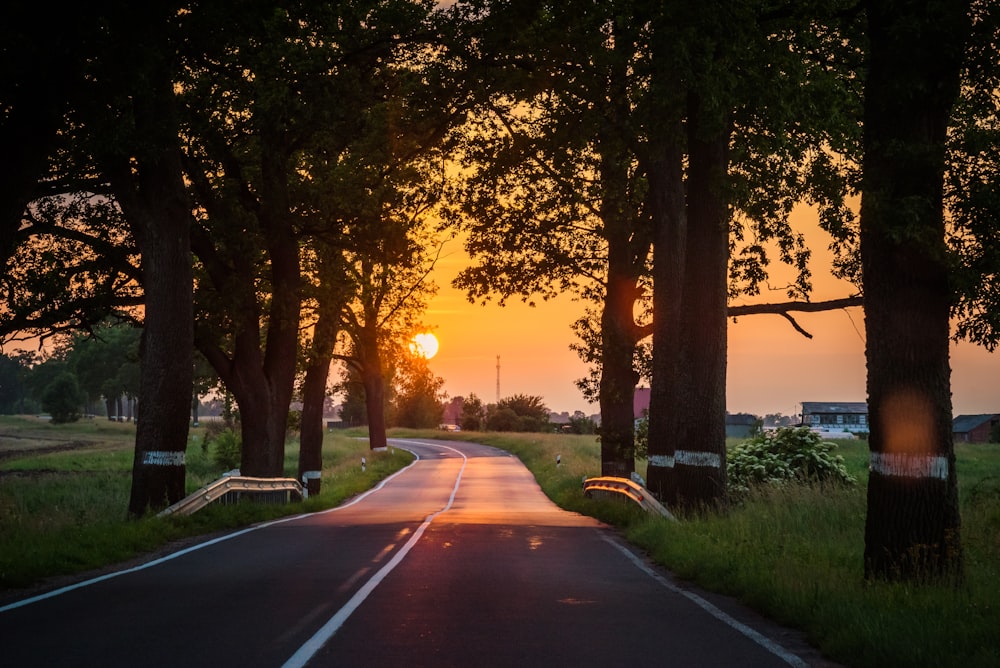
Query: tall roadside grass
[
  {"x": 64, "y": 512},
  {"x": 795, "y": 554}
]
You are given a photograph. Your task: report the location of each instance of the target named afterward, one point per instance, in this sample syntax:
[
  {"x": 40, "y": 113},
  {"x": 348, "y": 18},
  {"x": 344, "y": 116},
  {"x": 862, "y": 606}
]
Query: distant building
[
  {"x": 640, "y": 402},
  {"x": 851, "y": 416},
  {"x": 452, "y": 413},
  {"x": 740, "y": 425},
  {"x": 974, "y": 428}
]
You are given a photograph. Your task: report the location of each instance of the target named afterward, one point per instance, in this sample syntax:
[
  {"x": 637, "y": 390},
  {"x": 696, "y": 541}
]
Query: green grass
[
  {"x": 64, "y": 512},
  {"x": 794, "y": 554}
]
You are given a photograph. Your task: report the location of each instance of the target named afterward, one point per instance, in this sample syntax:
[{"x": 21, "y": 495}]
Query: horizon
[{"x": 771, "y": 367}]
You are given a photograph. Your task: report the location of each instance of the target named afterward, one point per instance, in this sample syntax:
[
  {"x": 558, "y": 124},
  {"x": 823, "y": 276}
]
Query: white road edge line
[
  {"x": 328, "y": 630},
  {"x": 193, "y": 548},
  {"x": 753, "y": 635}
]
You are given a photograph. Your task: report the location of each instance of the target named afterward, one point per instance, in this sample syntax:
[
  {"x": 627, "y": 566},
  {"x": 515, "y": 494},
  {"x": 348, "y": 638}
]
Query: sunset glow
[{"x": 425, "y": 345}]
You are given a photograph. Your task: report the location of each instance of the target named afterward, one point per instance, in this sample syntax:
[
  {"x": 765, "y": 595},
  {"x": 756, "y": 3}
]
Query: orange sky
[{"x": 772, "y": 368}]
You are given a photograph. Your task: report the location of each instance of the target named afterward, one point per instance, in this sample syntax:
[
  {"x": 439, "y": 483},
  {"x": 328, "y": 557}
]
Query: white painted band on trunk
[
  {"x": 909, "y": 466},
  {"x": 662, "y": 461},
  {"x": 312, "y": 475},
  {"x": 163, "y": 458},
  {"x": 696, "y": 458}
]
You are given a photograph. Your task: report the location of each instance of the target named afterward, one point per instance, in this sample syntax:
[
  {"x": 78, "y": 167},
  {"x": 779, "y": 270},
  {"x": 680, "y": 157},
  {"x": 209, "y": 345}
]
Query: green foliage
[
  {"x": 501, "y": 419},
  {"x": 14, "y": 396},
  {"x": 520, "y": 412},
  {"x": 294, "y": 422},
  {"x": 581, "y": 424},
  {"x": 62, "y": 398},
  {"x": 642, "y": 437},
  {"x": 473, "y": 414},
  {"x": 227, "y": 450},
  {"x": 106, "y": 361},
  {"x": 789, "y": 454},
  {"x": 418, "y": 403}
]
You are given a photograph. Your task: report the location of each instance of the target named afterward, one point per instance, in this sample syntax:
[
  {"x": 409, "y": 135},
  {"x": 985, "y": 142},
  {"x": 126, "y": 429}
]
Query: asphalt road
[{"x": 459, "y": 560}]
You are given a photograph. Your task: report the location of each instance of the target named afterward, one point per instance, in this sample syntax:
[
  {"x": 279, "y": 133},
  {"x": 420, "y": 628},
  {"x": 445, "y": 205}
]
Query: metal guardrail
[
  {"x": 231, "y": 489},
  {"x": 628, "y": 488}
]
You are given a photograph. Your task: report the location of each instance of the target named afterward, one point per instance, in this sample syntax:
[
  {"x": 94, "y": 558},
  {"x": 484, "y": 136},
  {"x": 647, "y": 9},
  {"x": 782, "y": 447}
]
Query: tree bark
[
  {"x": 698, "y": 409},
  {"x": 626, "y": 257},
  {"x": 156, "y": 205},
  {"x": 373, "y": 380},
  {"x": 912, "y": 523},
  {"x": 260, "y": 369},
  {"x": 669, "y": 380},
  {"x": 618, "y": 379},
  {"x": 314, "y": 398}
]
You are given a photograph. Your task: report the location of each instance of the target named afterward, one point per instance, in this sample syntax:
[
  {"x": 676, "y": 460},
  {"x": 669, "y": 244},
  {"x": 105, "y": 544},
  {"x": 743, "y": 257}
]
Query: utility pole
[{"x": 498, "y": 379}]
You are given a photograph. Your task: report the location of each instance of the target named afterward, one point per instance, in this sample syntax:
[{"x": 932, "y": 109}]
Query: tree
[
  {"x": 739, "y": 142},
  {"x": 41, "y": 68},
  {"x": 581, "y": 424},
  {"x": 329, "y": 297},
  {"x": 106, "y": 364},
  {"x": 144, "y": 169},
  {"x": 519, "y": 412},
  {"x": 553, "y": 137},
  {"x": 107, "y": 129},
  {"x": 915, "y": 60},
  {"x": 62, "y": 398},
  {"x": 473, "y": 414},
  {"x": 14, "y": 394},
  {"x": 419, "y": 399}
]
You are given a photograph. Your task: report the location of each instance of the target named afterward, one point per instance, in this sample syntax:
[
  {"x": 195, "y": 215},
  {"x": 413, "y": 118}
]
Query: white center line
[{"x": 321, "y": 637}]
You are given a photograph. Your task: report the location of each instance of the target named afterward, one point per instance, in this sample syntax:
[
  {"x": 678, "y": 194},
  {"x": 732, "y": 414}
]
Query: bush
[
  {"x": 789, "y": 454},
  {"x": 642, "y": 437},
  {"x": 62, "y": 398},
  {"x": 227, "y": 450}
]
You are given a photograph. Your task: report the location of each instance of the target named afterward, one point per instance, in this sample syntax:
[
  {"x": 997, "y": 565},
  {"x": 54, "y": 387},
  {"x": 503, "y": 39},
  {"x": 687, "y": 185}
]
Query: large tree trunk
[
  {"x": 260, "y": 375},
  {"x": 619, "y": 333},
  {"x": 150, "y": 189},
  {"x": 373, "y": 380},
  {"x": 699, "y": 407},
  {"x": 314, "y": 398},
  {"x": 263, "y": 427},
  {"x": 618, "y": 379},
  {"x": 167, "y": 350},
  {"x": 912, "y": 524},
  {"x": 669, "y": 219}
]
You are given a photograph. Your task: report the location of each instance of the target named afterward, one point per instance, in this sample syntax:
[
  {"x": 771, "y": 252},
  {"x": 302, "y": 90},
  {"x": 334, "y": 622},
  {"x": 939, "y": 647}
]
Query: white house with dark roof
[{"x": 851, "y": 416}]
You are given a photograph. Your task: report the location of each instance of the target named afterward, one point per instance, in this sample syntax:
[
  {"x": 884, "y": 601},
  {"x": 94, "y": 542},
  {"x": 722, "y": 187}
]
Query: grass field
[{"x": 793, "y": 554}]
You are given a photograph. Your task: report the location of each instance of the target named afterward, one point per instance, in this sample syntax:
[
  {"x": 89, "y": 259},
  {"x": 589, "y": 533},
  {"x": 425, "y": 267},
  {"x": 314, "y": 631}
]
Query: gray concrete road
[{"x": 459, "y": 560}]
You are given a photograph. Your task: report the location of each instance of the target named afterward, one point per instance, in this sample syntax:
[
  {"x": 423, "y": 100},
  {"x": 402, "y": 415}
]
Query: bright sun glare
[{"x": 425, "y": 345}]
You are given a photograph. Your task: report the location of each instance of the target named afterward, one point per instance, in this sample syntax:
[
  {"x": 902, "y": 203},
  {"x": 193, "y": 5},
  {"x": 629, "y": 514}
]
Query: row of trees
[
  {"x": 83, "y": 375},
  {"x": 283, "y": 149},
  {"x": 644, "y": 155},
  {"x": 664, "y": 144}
]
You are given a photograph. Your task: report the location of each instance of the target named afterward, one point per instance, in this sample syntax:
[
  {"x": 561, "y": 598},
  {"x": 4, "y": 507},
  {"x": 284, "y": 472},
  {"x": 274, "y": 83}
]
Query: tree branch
[{"x": 783, "y": 309}]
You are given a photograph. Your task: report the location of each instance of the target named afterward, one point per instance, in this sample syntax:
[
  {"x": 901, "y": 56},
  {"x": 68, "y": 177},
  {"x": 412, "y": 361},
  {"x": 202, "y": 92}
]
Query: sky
[{"x": 771, "y": 367}]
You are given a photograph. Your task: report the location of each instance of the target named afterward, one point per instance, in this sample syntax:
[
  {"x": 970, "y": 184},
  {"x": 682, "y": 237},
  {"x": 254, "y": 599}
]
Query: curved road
[{"x": 458, "y": 560}]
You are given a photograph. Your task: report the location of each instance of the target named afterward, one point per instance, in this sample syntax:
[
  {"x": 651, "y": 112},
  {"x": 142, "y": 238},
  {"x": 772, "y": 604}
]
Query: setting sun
[{"x": 425, "y": 345}]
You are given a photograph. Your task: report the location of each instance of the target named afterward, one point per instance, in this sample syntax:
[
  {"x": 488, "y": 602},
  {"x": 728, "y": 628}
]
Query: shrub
[
  {"x": 62, "y": 398},
  {"x": 227, "y": 450},
  {"x": 789, "y": 454},
  {"x": 642, "y": 437}
]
